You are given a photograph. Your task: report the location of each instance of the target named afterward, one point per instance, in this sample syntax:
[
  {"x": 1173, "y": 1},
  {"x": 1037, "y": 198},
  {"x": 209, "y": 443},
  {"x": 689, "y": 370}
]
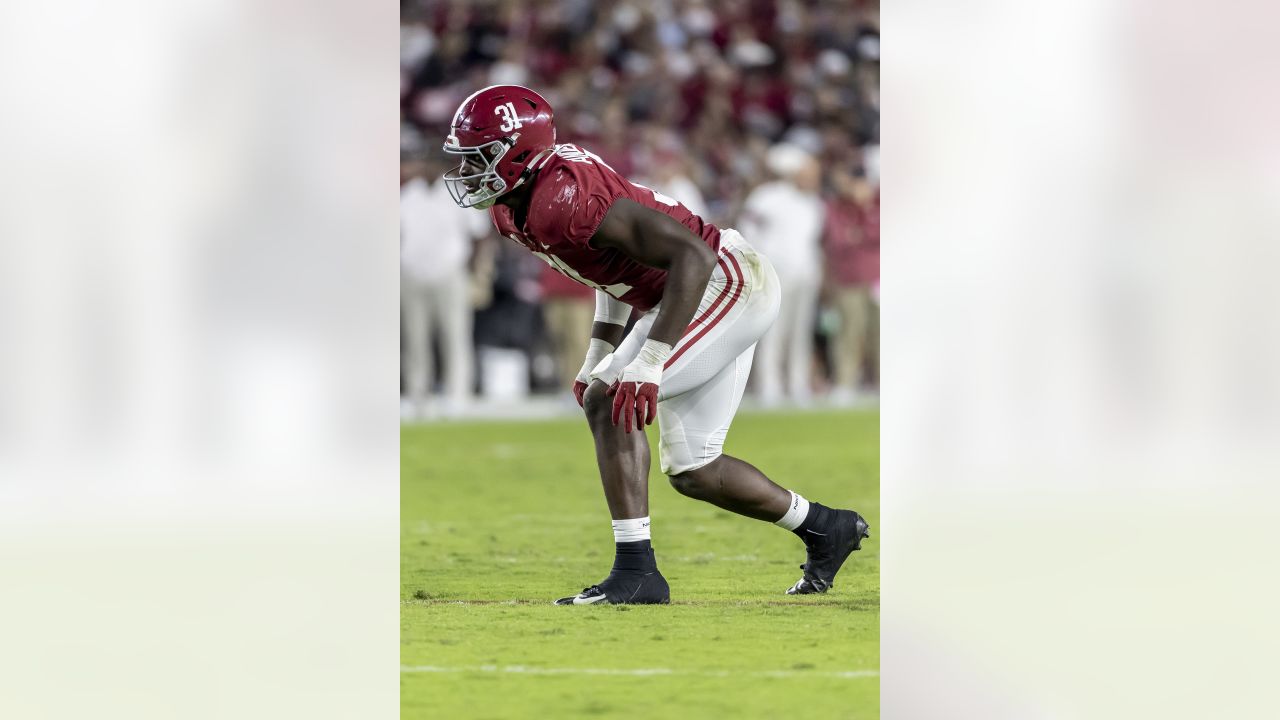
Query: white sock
[
  {"x": 795, "y": 514},
  {"x": 633, "y": 529}
]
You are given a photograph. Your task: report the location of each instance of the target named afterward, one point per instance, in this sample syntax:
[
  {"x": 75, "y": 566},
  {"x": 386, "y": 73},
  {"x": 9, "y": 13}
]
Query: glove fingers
[
  {"x": 635, "y": 404},
  {"x": 619, "y": 399},
  {"x": 644, "y": 407}
]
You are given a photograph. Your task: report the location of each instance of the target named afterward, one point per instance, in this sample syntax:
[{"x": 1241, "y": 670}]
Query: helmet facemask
[{"x": 482, "y": 189}]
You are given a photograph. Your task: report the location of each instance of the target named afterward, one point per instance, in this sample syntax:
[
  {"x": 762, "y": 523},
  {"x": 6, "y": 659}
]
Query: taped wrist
[
  {"x": 653, "y": 356},
  {"x": 611, "y": 310},
  {"x": 597, "y": 349}
]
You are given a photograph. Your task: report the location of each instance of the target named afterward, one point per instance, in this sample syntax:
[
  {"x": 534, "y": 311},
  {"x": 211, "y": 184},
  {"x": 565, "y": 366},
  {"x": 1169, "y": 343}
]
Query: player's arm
[
  {"x": 611, "y": 319},
  {"x": 660, "y": 241},
  {"x": 606, "y": 332}
]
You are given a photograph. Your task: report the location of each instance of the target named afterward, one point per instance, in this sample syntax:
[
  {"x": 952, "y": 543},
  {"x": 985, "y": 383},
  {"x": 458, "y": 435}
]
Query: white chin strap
[{"x": 482, "y": 204}]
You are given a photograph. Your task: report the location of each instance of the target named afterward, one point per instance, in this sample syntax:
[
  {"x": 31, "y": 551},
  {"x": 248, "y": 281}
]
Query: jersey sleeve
[{"x": 571, "y": 203}]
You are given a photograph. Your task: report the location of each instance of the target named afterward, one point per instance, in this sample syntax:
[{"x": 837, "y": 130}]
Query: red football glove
[
  {"x": 635, "y": 394},
  {"x": 579, "y": 389},
  {"x": 634, "y": 400}
]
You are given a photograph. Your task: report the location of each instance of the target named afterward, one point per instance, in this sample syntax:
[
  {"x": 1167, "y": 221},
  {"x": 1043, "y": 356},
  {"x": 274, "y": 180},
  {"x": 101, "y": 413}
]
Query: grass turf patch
[{"x": 498, "y": 519}]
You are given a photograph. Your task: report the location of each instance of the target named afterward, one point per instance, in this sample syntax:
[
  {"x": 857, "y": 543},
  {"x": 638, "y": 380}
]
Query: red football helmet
[{"x": 500, "y": 131}]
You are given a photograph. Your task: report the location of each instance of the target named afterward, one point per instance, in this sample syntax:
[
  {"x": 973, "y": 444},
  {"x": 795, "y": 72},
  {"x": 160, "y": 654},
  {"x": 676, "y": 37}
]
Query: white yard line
[{"x": 638, "y": 672}]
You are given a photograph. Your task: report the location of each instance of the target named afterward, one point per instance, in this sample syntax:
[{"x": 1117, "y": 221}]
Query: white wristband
[
  {"x": 611, "y": 310},
  {"x": 653, "y": 354},
  {"x": 597, "y": 349}
]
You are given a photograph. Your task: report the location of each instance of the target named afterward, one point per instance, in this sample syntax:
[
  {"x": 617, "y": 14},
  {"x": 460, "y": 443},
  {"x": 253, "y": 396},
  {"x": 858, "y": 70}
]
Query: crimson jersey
[{"x": 572, "y": 191}]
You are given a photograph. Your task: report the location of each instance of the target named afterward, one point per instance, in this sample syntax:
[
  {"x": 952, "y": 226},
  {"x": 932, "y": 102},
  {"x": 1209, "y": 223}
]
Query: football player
[{"x": 704, "y": 297}]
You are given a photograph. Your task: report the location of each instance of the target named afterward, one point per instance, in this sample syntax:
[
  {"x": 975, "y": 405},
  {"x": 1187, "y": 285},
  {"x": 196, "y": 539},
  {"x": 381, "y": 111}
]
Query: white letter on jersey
[
  {"x": 617, "y": 290},
  {"x": 664, "y": 199},
  {"x": 573, "y": 153},
  {"x": 510, "y": 121}
]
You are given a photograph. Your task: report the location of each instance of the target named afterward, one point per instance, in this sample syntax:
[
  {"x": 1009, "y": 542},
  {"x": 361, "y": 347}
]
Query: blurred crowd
[{"x": 761, "y": 115}]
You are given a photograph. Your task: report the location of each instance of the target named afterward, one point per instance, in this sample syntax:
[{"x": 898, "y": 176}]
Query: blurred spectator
[
  {"x": 435, "y": 295},
  {"x": 669, "y": 178},
  {"x": 569, "y": 308},
  {"x": 783, "y": 220},
  {"x": 852, "y": 245},
  {"x": 510, "y": 329},
  {"x": 871, "y": 164}
]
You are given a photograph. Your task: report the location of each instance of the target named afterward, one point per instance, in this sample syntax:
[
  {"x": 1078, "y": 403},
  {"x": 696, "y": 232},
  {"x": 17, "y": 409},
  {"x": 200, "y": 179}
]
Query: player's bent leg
[
  {"x": 830, "y": 535},
  {"x": 623, "y": 459},
  {"x": 736, "y": 486},
  {"x": 694, "y": 426}
]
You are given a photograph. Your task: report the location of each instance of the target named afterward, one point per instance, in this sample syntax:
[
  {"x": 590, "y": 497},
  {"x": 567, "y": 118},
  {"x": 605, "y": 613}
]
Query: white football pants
[{"x": 704, "y": 379}]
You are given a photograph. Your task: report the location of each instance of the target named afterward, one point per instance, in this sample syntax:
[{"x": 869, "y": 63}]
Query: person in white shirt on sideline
[
  {"x": 436, "y": 238},
  {"x": 784, "y": 219},
  {"x": 670, "y": 178}
]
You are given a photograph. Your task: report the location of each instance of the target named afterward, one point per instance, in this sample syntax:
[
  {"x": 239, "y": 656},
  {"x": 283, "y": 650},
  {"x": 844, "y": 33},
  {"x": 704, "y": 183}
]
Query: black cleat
[
  {"x": 648, "y": 588},
  {"x": 828, "y": 545}
]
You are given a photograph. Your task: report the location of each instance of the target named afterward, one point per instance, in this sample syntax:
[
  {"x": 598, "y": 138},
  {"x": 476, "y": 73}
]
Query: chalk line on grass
[{"x": 639, "y": 672}]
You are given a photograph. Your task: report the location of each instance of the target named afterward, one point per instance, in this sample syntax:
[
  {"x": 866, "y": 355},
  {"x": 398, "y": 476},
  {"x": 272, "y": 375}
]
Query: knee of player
[
  {"x": 598, "y": 405},
  {"x": 687, "y": 483}
]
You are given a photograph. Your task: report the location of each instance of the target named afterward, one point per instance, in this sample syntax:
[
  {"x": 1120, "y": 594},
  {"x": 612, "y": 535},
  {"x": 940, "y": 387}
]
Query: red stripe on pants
[
  {"x": 719, "y": 298},
  {"x": 733, "y": 291}
]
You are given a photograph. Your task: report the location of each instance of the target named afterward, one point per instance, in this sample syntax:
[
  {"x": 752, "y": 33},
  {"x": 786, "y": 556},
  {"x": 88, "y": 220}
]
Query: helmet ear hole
[{"x": 521, "y": 157}]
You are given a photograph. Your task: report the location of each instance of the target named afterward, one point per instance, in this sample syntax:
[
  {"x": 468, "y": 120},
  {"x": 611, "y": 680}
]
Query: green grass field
[{"x": 498, "y": 519}]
